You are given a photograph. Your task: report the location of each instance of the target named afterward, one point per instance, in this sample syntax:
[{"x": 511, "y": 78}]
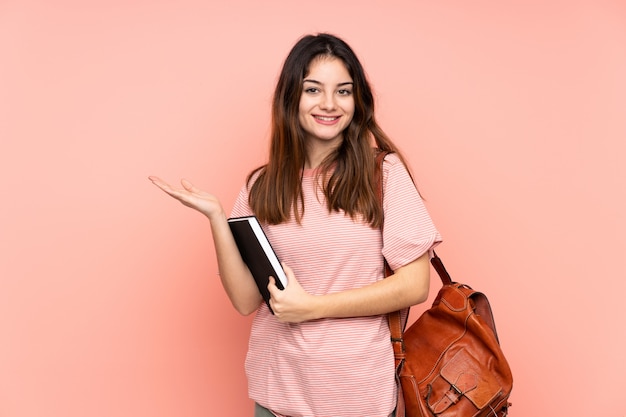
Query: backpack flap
[{"x": 462, "y": 376}]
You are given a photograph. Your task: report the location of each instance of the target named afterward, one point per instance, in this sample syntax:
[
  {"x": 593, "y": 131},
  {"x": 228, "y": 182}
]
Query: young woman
[{"x": 326, "y": 351}]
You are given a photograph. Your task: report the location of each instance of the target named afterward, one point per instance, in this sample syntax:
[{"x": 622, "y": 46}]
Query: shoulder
[
  {"x": 392, "y": 159},
  {"x": 393, "y": 165},
  {"x": 251, "y": 179}
]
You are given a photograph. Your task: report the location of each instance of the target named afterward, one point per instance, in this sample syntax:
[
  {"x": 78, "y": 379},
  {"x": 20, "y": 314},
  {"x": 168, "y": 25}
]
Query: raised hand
[{"x": 191, "y": 196}]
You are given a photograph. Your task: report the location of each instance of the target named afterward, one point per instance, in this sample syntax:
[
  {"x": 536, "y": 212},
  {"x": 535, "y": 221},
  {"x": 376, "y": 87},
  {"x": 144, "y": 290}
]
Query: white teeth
[{"x": 326, "y": 119}]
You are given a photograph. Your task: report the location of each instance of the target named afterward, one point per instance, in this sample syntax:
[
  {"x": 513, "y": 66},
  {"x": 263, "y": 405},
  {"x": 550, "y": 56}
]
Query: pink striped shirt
[{"x": 335, "y": 367}]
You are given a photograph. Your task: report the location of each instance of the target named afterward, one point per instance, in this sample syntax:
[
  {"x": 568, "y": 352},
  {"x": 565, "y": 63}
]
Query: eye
[
  {"x": 344, "y": 92},
  {"x": 311, "y": 90}
]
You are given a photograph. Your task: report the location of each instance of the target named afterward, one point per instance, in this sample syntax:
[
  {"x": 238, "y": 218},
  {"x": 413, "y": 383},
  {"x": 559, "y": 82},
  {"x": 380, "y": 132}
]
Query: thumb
[
  {"x": 289, "y": 272},
  {"x": 286, "y": 268},
  {"x": 187, "y": 185}
]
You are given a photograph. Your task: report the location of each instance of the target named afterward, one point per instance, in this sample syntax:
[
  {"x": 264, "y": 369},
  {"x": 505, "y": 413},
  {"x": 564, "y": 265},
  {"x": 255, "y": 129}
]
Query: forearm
[
  {"x": 234, "y": 274},
  {"x": 406, "y": 287}
]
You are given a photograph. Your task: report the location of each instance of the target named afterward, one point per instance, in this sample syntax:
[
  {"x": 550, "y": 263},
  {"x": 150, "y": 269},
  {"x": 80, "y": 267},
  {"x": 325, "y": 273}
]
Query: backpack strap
[{"x": 396, "y": 326}]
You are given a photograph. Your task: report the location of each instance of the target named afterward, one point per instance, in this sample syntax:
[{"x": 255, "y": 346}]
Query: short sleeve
[{"x": 408, "y": 230}]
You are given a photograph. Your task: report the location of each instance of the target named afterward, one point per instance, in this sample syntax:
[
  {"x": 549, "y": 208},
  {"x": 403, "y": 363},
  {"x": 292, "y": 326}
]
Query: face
[{"x": 326, "y": 103}]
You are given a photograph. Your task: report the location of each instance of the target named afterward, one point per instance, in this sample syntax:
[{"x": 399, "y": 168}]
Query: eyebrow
[{"x": 307, "y": 80}]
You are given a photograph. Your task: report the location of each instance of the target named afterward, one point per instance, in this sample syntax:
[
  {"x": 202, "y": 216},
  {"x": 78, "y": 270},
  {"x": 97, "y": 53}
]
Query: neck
[{"x": 317, "y": 152}]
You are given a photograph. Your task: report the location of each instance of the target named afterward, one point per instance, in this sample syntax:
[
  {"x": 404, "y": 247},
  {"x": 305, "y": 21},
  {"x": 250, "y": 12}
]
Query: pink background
[{"x": 512, "y": 115}]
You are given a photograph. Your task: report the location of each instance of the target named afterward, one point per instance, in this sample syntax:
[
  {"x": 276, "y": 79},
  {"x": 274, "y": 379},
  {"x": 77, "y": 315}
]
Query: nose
[{"x": 328, "y": 101}]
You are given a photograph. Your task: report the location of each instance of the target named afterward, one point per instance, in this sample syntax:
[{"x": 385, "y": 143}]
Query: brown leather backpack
[{"x": 449, "y": 362}]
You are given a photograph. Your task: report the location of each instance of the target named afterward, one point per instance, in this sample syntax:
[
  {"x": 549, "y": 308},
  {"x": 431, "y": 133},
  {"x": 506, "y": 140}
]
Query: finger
[
  {"x": 272, "y": 284},
  {"x": 179, "y": 194},
  {"x": 163, "y": 185},
  {"x": 187, "y": 185},
  {"x": 272, "y": 288},
  {"x": 158, "y": 182},
  {"x": 276, "y": 310}
]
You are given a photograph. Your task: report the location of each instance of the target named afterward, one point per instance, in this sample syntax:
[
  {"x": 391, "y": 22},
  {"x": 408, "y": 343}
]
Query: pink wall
[{"x": 512, "y": 114}]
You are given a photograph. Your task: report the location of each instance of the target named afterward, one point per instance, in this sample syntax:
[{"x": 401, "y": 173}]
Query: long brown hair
[{"x": 349, "y": 183}]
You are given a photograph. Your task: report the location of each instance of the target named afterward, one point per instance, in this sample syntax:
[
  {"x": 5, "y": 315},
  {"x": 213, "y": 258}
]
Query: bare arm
[
  {"x": 234, "y": 274},
  {"x": 406, "y": 287}
]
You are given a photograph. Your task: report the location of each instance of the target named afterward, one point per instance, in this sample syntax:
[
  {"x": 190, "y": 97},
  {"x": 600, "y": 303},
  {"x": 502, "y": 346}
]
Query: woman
[{"x": 326, "y": 351}]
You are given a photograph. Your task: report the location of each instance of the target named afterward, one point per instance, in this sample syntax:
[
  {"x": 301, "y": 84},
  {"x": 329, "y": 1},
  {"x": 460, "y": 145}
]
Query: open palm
[{"x": 191, "y": 196}]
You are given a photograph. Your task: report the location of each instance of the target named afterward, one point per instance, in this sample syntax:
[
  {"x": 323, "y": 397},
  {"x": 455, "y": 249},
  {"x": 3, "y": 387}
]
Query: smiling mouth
[{"x": 326, "y": 118}]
